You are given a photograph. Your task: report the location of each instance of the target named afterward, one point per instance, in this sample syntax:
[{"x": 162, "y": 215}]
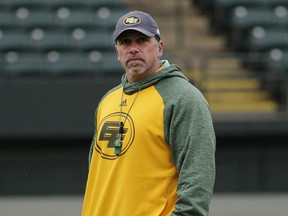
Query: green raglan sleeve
[{"x": 190, "y": 133}]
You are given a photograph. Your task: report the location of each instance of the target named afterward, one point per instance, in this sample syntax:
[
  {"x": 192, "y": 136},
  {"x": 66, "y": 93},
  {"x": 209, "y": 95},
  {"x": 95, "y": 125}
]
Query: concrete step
[
  {"x": 196, "y": 26},
  {"x": 230, "y": 84},
  {"x": 229, "y": 62},
  {"x": 203, "y": 44},
  {"x": 236, "y": 96},
  {"x": 266, "y": 106},
  {"x": 225, "y": 72}
]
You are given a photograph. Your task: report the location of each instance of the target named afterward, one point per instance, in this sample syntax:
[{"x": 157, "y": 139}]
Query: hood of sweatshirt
[{"x": 167, "y": 71}]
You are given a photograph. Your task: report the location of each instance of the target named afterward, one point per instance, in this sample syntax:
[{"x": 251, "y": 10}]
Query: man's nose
[{"x": 134, "y": 47}]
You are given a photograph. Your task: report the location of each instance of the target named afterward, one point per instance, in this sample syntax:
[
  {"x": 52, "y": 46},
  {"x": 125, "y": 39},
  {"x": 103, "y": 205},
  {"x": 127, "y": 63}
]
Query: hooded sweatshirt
[{"x": 166, "y": 165}]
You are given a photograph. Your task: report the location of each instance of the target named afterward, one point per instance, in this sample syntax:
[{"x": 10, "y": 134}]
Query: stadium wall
[{"x": 47, "y": 126}]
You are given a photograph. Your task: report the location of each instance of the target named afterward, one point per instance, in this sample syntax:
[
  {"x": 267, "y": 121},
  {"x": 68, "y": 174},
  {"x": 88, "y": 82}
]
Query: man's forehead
[{"x": 131, "y": 33}]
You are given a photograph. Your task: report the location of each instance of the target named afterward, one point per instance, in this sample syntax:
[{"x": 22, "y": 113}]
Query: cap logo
[{"x": 132, "y": 20}]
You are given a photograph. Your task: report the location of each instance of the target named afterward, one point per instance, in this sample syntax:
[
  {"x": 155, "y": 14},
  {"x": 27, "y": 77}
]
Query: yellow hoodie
[{"x": 153, "y": 174}]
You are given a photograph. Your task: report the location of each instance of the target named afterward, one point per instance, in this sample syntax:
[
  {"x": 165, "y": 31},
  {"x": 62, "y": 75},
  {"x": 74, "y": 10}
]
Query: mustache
[{"x": 136, "y": 57}]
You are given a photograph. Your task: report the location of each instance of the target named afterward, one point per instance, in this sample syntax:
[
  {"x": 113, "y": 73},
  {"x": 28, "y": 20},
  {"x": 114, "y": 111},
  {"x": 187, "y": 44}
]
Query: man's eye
[
  {"x": 124, "y": 41},
  {"x": 142, "y": 39}
]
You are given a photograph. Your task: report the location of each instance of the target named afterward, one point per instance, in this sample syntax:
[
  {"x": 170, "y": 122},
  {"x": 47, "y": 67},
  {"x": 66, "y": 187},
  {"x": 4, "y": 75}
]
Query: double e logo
[
  {"x": 132, "y": 20},
  {"x": 108, "y": 133}
]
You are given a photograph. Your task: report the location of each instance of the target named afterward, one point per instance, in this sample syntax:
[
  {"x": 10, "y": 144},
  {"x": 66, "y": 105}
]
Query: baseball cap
[{"x": 138, "y": 21}]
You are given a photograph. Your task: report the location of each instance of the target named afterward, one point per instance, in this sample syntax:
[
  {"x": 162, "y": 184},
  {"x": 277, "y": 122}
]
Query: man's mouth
[{"x": 134, "y": 59}]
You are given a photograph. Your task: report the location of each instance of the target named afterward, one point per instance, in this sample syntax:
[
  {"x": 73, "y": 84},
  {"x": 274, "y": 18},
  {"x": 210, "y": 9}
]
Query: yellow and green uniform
[{"x": 167, "y": 161}]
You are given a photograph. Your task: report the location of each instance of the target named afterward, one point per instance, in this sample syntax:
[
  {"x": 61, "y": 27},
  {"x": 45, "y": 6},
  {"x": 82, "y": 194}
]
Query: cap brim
[{"x": 143, "y": 31}]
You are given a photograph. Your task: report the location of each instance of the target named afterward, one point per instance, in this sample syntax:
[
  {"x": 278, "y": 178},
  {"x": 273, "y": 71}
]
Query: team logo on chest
[{"x": 108, "y": 134}]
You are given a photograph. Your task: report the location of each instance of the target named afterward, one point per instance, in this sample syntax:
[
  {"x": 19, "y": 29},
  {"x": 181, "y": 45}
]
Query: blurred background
[{"x": 57, "y": 60}]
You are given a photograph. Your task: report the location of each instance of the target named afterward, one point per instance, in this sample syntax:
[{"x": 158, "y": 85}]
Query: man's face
[{"x": 138, "y": 54}]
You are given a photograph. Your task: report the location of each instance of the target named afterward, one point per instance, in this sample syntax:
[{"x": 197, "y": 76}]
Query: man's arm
[{"x": 192, "y": 140}]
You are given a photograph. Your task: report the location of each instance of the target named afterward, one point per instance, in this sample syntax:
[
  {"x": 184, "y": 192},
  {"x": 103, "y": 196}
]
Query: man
[{"x": 153, "y": 152}]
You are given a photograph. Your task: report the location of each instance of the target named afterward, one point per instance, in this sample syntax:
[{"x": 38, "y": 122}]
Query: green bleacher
[
  {"x": 257, "y": 29},
  {"x": 58, "y": 37}
]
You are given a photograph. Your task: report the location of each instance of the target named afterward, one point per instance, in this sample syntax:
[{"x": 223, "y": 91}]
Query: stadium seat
[
  {"x": 48, "y": 39},
  {"x": 276, "y": 59},
  {"x": 281, "y": 14},
  {"x": 247, "y": 17},
  {"x": 11, "y": 39},
  {"x": 257, "y": 3},
  {"x": 62, "y": 37},
  {"x": 104, "y": 63},
  {"x": 21, "y": 3},
  {"x": 243, "y": 19},
  {"x": 66, "y": 63},
  {"x": 23, "y": 63},
  {"x": 90, "y": 39},
  {"x": 69, "y": 17},
  {"x": 57, "y": 3},
  {"x": 55, "y": 63},
  {"x": 82, "y": 64},
  {"x": 107, "y": 3},
  {"x": 224, "y": 8},
  {"x": 33, "y": 17},
  {"x": 6, "y": 19},
  {"x": 65, "y": 3},
  {"x": 275, "y": 62},
  {"x": 108, "y": 17},
  {"x": 262, "y": 39}
]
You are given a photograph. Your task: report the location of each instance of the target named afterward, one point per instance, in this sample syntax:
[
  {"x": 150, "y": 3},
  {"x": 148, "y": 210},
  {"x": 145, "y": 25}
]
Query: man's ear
[
  {"x": 161, "y": 48},
  {"x": 116, "y": 51}
]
